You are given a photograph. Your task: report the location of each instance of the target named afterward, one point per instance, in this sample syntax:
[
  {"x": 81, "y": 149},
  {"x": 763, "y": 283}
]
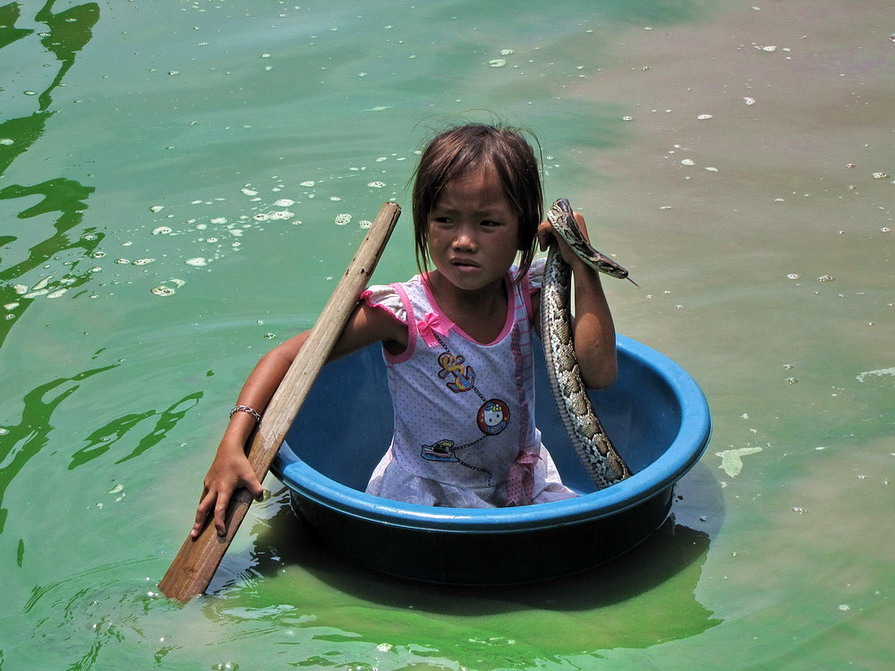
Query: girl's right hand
[{"x": 229, "y": 471}]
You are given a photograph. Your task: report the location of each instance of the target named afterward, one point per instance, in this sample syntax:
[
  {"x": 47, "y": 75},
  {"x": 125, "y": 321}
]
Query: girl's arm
[
  {"x": 593, "y": 328},
  {"x": 231, "y": 469}
]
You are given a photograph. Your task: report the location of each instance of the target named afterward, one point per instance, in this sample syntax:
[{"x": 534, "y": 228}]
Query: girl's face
[{"x": 473, "y": 231}]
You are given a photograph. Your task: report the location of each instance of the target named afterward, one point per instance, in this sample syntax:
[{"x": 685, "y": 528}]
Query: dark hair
[{"x": 460, "y": 149}]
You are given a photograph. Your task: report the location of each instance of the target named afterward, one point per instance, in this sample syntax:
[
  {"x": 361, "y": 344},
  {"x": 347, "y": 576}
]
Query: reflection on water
[
  {"x": 25, "y": 440},
  {"x": 104, "y": 438},
  {"x": 67, "y": 32}
]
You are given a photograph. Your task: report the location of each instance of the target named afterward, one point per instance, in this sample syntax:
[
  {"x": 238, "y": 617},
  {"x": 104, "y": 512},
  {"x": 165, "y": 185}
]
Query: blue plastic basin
[{"x": 655, "y": 414}]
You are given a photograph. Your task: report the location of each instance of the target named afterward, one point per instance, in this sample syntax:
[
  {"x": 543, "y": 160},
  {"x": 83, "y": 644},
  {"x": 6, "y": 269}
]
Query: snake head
[
  {"x": 561, "y": 208},
  {"x": 562, "y": 218}
]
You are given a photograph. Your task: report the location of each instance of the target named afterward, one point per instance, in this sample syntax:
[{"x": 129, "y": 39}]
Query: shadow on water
[
  {"x": 289, "y": 564},
  {"x": 67, "y": 33},
  {"x": 666, "y": 553}
]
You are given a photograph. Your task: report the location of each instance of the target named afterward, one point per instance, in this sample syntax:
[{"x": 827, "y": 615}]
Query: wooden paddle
[{"x": 198, "y": 559}]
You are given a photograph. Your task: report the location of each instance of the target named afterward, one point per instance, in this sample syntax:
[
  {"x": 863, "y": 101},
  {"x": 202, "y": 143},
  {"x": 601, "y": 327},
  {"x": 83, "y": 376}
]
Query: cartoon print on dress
[
  {"x": 443, "y": 451},
  {"x": 464, "y": 376},
  {"x": 493, "y": 417}
]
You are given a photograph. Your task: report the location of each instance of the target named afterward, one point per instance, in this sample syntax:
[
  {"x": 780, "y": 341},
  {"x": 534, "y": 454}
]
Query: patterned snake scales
[{"x": 604, "y": 465}]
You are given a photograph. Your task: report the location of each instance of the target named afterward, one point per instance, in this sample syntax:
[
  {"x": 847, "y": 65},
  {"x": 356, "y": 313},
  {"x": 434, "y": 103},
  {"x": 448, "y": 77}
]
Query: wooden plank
[{"x": 199, "y": 558}]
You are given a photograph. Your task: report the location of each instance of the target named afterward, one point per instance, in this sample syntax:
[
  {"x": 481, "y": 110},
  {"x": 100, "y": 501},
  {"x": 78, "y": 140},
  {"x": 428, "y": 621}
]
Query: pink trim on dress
[
  {"x": 527, "y": 293},
  {"x": 366, "y": 298},
  {"x": 411, "y": 327},
  {"x": 521, "y": 479},
  {"x": 508, "y": 323}
]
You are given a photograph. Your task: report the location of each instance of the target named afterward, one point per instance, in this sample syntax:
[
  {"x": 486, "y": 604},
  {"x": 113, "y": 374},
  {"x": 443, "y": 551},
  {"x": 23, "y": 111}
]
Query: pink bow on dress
[
  {"x": 431, "y": 324},
  {"x": 521, "y": 479}
]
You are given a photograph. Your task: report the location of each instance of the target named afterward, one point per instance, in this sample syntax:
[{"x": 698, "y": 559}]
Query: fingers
[
  {"x": 582, "y": 226},
  {"x": 545, "y": 234},
  {"x": 256, "y": 490},
  {"x": 215, "y": 504},
  {"x": 220, "y": 512},
  {"x": 223, "y": 502},
  {"x": 250, "y": 481},
  {"x": 205, "y": 504},
  {"x": 227, "y": 474}
]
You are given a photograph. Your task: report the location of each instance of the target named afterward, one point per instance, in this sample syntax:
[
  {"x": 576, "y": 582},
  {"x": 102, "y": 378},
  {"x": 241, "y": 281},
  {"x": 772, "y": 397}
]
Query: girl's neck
[{"x": 480, "y": 314}]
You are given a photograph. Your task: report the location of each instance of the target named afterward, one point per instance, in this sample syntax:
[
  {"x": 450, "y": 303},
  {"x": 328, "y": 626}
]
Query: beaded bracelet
[{"x": 245, "y": 408}]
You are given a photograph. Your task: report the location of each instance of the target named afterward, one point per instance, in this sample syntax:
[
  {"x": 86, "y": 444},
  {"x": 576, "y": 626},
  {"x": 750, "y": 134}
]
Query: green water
[{"x": 171, "y": 175}]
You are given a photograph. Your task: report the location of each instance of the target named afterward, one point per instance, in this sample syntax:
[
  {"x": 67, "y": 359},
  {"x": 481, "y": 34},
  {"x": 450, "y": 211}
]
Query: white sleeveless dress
[{"x": 464, "y": 411}]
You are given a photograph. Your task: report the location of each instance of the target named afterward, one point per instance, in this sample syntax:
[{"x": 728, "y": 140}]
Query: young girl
[{"x": 456, "y": 339}]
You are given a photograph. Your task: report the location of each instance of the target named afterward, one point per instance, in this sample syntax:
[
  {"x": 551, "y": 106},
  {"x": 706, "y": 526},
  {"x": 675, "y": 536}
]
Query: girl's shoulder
[
  {"x": 399, "y": 299},
  {"x": 386, "y": 297}
]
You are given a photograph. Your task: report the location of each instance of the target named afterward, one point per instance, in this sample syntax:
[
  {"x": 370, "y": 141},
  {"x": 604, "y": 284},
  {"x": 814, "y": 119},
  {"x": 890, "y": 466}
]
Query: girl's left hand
[{"x": 546, "y": 234}]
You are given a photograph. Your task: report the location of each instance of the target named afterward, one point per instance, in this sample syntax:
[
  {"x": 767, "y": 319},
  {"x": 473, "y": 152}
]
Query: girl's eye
[
  {"x": 489, "y": 223},
  {"x": 441, "y": 220}
]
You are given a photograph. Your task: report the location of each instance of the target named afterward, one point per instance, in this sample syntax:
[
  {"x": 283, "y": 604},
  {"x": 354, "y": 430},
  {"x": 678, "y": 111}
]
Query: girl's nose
[
  {"x": 464, "y": 241},
  {"x": 464, "y": 244}
]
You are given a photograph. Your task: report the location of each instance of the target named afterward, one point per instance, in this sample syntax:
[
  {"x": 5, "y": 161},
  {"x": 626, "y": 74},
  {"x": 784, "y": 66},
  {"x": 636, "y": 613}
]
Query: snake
[{"x": 602, "y": 462}]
